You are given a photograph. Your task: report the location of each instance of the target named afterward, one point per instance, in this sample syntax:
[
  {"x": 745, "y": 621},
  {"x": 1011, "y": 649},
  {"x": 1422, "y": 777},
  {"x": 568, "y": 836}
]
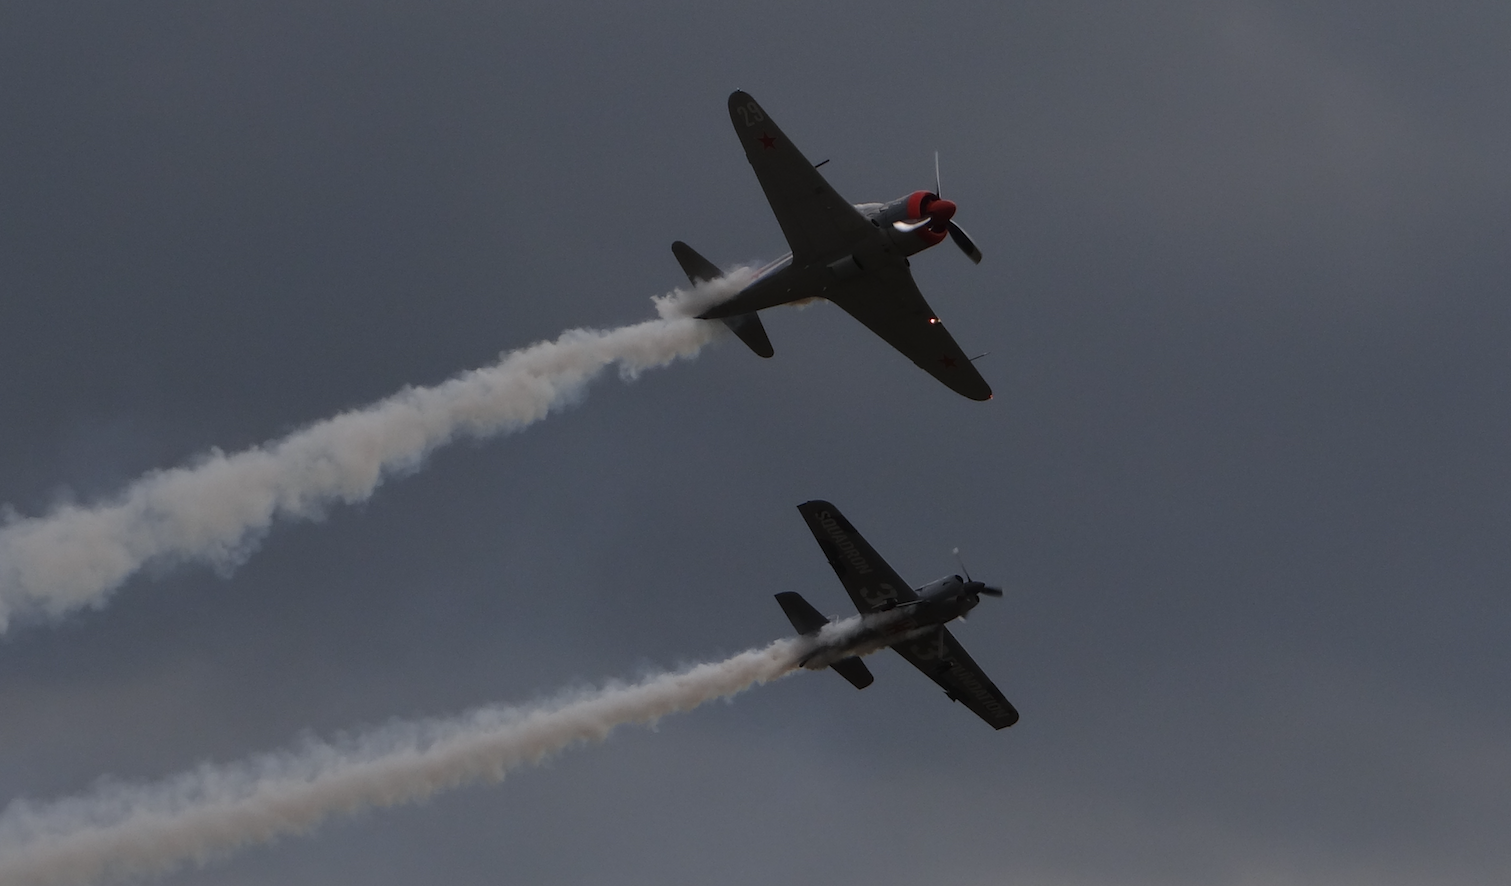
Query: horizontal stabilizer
[
  {"x": 854, "y": 670},
  {"x": 747, "y": 327},
  {"x": 801, "y": 613}
]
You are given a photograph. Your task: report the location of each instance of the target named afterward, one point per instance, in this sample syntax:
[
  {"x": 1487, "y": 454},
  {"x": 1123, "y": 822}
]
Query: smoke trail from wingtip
[
  {"x": 216, "y": 509},
  {"x": 121, "y": 831}
]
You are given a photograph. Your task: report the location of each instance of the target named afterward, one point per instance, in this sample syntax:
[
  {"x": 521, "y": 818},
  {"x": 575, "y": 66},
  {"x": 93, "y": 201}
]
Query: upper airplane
[
  {"x": 855, "y": 256},
  {"x": 896, "y": 615}
]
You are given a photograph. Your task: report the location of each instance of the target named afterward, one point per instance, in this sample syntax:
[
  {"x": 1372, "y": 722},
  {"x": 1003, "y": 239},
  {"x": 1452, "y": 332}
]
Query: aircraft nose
[{"x": 940, "y": 213}]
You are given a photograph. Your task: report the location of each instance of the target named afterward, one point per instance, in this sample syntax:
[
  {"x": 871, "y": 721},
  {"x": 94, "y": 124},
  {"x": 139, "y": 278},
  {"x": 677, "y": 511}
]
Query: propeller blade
[
  {"x": 961, "y": 560},
  {"x": 938, "y": 189},
  {"x": 909, "y": 227},
  {"x": 963, "y": 240},
  {"x": 991, "y": 591}
]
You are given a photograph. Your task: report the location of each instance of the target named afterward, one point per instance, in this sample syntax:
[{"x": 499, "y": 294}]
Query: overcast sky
[{"x": 1245, "y": 476}]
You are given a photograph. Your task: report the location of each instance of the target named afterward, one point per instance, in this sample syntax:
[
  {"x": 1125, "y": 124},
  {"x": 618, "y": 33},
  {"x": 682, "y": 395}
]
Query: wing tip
[{"x": 815, "y": 504}]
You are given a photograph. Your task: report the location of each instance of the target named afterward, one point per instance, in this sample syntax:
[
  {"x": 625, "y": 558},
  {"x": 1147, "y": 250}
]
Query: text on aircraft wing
[
  {"x": 888, "y": 302},
  {"x": 939, "y": 655},
  {"x": 816, "y": 221},
  {"x": 871, "y": 583}
]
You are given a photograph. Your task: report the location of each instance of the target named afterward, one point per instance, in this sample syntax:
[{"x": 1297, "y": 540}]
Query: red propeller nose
[{"x": 940, "y": 213}]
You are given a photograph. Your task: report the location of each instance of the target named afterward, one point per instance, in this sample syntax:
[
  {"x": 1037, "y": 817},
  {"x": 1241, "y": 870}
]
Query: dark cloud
[{"x": 1245, "y": 471}]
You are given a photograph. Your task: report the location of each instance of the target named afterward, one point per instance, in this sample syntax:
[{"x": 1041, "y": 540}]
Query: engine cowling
[
  {"x": 916, "y": 222},
  {"x": 928, "y": 206}
]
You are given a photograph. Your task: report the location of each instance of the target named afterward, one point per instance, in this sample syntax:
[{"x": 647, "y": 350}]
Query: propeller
[
  {"x": 961, "y": 560},
  {"x": 976, "y": 589},
  {"x": 940, "y": 218},
  {"x": 964, "y": 241},
  {"x": 971, "y": 585},
  {"x": 957, "y": 233}
]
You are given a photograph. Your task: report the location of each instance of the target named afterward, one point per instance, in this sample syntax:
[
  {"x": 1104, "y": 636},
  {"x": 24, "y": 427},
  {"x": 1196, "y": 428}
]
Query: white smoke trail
[
  {"x": 216, "y": 509},
  {"x": 123, "y": 830}
]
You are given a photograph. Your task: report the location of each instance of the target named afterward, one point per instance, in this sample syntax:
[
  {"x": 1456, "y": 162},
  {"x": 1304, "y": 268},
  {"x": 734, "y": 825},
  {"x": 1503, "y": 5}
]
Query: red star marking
[
  {"x": 767, "y": 141},
  {"x": 949, "y": 362}
]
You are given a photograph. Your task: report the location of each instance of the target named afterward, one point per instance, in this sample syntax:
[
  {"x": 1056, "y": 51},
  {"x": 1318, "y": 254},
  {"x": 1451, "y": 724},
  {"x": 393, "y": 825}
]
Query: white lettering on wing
[
  {"x": 977, "y": 689},
  {"x": 846, "y": 550}
]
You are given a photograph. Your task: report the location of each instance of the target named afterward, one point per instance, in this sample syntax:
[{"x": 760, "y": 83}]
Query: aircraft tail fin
[
  {"x": 747, "y": 327},
  {"x": 854, "y": 670},
  {"x": 697, "y": 268},
  {"x": 801, "y": 613}
]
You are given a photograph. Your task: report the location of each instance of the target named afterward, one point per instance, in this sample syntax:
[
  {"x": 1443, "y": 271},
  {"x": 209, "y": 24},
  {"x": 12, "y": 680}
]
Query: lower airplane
[
  {"x": 855, "y": 256},
  {"x": 911, "y": 621}
]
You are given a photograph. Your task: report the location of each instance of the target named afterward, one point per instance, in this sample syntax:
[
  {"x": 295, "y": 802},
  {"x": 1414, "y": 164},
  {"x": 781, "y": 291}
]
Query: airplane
[
  {"x": 855, "y": 256},
  {"x": 910, "y": 621}
]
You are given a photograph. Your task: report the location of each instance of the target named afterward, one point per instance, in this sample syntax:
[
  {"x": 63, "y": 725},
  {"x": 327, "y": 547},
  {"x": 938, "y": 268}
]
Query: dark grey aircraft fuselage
[
  {"x": 939, "y": 602},
  {"x": 782, "y": 282}
]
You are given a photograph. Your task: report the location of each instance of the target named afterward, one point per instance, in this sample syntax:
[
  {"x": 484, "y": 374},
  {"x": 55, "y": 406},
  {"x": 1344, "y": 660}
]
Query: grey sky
[{"x": 1245, "y": 472}]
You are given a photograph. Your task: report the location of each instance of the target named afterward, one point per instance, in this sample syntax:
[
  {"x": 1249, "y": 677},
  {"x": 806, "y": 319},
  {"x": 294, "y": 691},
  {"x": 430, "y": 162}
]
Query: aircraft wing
[
  {"x": 888, "y": 302},
  {"x": 817, "y": 221},
  {"x": 941, "y": 656},
  {"x": 870, "y": 582}
]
